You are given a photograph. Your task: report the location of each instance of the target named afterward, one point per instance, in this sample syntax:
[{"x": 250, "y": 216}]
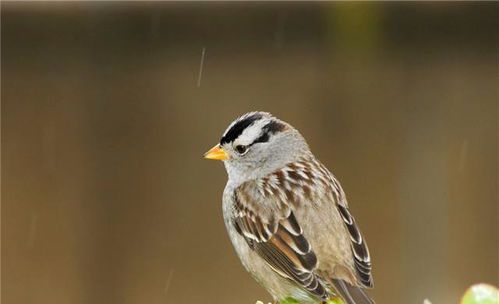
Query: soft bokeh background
[{"x": 105, "y": 116}]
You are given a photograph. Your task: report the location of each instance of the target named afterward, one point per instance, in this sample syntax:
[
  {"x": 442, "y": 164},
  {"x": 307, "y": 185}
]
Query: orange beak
[{"x": 216, "y": 153}]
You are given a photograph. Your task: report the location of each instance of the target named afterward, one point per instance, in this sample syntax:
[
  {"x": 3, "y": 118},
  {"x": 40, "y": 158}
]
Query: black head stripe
[
  {"x": 274, "y": 127},
  {"x": 239, "y": 127},
  {"x": 262, "y": 138},
  {"x": 270, "y": 128}
]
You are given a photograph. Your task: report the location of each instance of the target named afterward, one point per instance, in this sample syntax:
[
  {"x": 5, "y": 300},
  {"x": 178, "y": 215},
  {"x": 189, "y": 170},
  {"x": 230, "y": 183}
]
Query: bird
[{"x": 287, "y": 216}]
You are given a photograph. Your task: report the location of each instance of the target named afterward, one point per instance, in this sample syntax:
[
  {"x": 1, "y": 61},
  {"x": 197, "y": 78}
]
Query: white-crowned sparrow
[{"x": 287, "y": 216}]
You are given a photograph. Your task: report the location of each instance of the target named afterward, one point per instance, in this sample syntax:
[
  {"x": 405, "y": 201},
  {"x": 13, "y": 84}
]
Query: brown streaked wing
[
  {"x": 359, "y": 248},
  {"x": 279, "y": 240}
]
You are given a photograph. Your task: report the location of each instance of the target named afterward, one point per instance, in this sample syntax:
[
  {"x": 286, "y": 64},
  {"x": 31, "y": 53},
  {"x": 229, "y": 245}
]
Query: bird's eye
[{"x": 241, "y": 149}]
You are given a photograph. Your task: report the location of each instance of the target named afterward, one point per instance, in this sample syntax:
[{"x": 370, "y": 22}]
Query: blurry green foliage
[
  {"x": 294, "y": 301},
  {"x": 481, "y": 294},
  {"x": 356, "y": 27},
  {"x": 476, "y": 294}
]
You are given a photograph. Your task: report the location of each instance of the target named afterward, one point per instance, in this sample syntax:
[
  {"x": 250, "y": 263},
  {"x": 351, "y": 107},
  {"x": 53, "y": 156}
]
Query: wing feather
[
  {"x": 264, "y": 216},
  {"x": 360, "y": 251},
  {"x": 279, "y": 240}
]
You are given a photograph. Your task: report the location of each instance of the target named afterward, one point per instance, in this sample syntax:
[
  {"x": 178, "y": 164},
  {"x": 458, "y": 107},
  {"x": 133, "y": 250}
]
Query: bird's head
[{"x": 256, "y": 144}]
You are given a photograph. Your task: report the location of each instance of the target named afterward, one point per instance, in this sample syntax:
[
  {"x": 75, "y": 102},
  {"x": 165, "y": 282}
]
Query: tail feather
[{"x": 351, "y": 294}]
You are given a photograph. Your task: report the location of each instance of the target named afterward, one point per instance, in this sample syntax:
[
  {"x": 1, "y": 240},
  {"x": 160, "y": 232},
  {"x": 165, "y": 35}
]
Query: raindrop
[{"x": 200, "y": 74}]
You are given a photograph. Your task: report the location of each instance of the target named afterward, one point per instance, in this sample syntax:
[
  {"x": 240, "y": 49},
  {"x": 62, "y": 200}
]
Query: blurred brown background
[{"x": 105, "y": 195}]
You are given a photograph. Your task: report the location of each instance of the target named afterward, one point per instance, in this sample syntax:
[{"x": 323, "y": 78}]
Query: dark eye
[{"x": 241, "y": 149}]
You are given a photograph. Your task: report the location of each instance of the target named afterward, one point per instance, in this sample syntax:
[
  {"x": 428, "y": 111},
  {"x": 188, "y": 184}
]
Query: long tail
[{"x": 351, "y": 294}]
